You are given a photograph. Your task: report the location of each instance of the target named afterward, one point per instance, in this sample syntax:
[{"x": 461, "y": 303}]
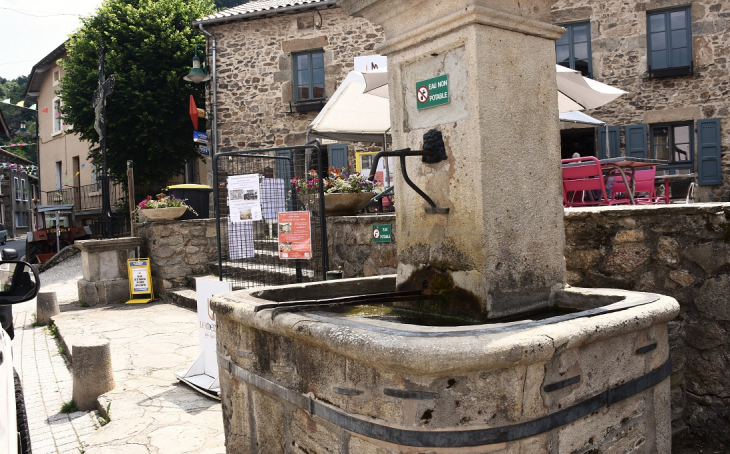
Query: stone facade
[
  {"x": 255, "y": 100},
  {"x": 619, "y": 58}
]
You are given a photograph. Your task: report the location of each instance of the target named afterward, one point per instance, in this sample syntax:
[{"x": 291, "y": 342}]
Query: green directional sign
[
  {"x": 432, "y": 92},
  {"x": 382, "y": 233}
]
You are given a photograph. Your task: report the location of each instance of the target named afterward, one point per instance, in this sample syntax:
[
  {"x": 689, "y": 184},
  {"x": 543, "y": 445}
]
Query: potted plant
[
  {"x": 345, "y": 192},
  {"x": 162, "y": 207}
]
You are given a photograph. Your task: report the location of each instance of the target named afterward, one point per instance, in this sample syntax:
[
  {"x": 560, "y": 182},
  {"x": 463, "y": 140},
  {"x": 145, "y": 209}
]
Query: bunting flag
[
  {"x": 77, "y": 174},
  {"x": 91, "y": 159},
  {"x": 20, "y": 103},
  {"x": 83, "y": 165},
  {"x": 6, "y": 100},
  {"x": 30, "y": 170},
  {"x": 45, "y": 110}
]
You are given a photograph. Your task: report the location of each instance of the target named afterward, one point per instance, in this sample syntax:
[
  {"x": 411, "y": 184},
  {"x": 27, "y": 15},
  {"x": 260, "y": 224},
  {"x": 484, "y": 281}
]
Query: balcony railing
[{"x": 85, "y": 198}]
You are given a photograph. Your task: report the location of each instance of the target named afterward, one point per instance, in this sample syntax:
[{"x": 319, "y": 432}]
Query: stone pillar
[
  {"x": 104, "y": 265},
  {"x": 499, "y": 250}
]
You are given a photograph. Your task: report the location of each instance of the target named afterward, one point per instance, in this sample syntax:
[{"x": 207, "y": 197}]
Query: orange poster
[{"x": 295, "y": 235}]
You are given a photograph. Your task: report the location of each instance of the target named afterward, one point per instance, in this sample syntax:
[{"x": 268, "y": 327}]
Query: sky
[{"x": 31, "y": 29}]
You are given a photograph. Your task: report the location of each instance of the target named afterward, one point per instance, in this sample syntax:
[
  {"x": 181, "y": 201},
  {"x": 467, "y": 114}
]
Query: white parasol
[{"x": 575, "y": 92}]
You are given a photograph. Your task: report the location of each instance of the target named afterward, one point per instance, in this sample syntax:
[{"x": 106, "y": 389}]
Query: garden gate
[{"x": 251, "y": 188}]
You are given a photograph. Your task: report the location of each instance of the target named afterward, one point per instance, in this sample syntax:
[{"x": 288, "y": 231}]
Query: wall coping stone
[{"x": 112, "y": 244}]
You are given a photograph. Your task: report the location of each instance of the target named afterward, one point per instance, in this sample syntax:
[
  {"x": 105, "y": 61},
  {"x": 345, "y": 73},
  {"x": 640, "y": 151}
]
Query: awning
[
  {"x": 353, "y": 116},
  {"x": 53, "y": 208},
  {"x": 580, "y": 117}
]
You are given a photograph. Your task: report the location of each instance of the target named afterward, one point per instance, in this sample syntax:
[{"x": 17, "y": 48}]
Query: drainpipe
[{"x": 215, "y": 90}]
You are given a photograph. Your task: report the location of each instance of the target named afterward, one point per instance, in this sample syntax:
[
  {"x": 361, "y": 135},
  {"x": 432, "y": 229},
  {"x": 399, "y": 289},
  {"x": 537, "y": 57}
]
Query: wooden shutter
[
  {"x": 708, "y": 153},
  {"x": 636, "y": 136},
  {"x": 337, "y": 155},
  {"x": 614, "y": 143}
]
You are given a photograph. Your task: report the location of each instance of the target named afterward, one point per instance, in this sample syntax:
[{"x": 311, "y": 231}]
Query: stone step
[{"x": 183, "y": 297}]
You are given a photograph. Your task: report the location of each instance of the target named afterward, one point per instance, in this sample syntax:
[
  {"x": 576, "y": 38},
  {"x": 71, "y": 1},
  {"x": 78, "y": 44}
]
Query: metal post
[{"x": 130, "y": 195}]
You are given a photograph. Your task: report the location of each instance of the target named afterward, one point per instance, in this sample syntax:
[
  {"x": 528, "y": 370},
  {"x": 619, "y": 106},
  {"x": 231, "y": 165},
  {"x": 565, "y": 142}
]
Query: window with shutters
[
  {"x": 674, "y": 143},
  {"x": 573, "y": 49},
  {"x": 669, "y": 42}
]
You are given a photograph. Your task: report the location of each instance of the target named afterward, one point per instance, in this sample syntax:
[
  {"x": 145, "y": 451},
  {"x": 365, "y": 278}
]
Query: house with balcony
[
  {"x": 278, "y": 62},
  {"x": 672, "y": 58},
  {"x": 67, "y": 174}
]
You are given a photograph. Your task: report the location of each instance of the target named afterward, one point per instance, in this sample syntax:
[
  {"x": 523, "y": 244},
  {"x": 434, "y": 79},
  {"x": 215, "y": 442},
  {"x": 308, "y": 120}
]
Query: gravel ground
[{"x": 63, "y": 279}]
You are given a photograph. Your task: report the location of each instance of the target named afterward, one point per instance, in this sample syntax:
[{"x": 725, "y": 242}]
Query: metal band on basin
[{"x": 452, "y": 438}]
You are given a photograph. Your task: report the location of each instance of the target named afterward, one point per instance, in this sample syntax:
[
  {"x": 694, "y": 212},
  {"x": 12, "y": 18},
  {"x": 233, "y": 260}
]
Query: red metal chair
[
  {"x": 583, "y": 183},
  {"x": 644, "y": 185}
]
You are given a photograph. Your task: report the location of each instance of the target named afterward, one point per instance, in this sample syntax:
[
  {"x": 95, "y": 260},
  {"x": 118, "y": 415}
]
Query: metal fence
[
  {"x": 86, "y": 198},
  {"x": 251, "y": 188}
]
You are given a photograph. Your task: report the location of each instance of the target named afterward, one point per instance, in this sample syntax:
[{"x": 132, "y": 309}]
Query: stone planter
[
  {"x": 345, "y": 204},
  {"x": 164, "y": 214}
]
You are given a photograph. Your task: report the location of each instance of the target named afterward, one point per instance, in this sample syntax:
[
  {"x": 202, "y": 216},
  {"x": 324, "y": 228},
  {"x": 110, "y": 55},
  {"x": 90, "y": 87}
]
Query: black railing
[{"x": 85, "y": 198}]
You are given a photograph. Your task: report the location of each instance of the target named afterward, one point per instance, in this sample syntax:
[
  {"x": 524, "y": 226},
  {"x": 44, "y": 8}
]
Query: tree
[
  {"x": 149, "y": 47},
  {"x": 13, "y": 89}
]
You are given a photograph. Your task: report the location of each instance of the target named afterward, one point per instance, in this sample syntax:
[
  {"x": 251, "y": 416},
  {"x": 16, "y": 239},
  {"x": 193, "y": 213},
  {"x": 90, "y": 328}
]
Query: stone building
[
  {"x": 672, "y": 58},
  {"x": 18, "y": 193},
  {"x": 278, "y": 62}
]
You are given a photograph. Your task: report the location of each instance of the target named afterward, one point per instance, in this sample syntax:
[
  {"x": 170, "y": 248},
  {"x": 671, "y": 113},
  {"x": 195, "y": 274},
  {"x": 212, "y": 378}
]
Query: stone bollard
[
  {"x": 92, "y": 372},
  {"x": 46, "y": 307}
]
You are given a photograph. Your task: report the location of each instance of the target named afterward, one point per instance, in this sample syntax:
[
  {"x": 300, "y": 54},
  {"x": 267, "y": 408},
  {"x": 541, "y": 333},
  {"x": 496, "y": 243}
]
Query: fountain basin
[{"x": 595, "y": 377}]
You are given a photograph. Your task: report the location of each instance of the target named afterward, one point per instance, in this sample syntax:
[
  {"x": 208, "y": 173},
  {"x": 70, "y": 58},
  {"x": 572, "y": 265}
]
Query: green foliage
[
  {"x": 149, "y": 48},
  {"x": 69, "y": 407},
  {"x": 103, "y": 421},
  {"x": 13, "y": 115}
]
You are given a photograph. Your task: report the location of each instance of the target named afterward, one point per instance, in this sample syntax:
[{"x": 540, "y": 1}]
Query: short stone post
[
  {"x": 46, "y": 307},
  {"x": 92, "y": 372}
]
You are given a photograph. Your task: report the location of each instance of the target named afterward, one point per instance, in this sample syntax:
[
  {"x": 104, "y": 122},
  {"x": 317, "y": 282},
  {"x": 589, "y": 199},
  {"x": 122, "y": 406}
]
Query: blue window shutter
[
  {"x": 636, "y": 136},
  {"x": 614, "y": 143},
  {"x": 337, "y": 156},
  {"x": 283, "y": 167},
  {"x": 708, "y": 153}
]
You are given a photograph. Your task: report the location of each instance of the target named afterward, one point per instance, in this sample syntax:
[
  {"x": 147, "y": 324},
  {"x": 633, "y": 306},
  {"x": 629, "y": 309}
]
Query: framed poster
[
  {"x": 244, "y": 201},
  {"x": 295, "y": 235}
]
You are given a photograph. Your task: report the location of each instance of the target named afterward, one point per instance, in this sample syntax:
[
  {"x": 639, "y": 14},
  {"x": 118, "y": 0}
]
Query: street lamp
[{"x": 197, "y": 73}]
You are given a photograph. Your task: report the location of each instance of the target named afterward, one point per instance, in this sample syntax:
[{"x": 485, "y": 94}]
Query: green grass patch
[{"x": 69, "y": 407}]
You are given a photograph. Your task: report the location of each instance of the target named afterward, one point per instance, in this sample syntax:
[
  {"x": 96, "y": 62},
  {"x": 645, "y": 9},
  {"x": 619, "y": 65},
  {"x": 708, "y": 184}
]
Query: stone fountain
[{"x": 477, "y": 344}]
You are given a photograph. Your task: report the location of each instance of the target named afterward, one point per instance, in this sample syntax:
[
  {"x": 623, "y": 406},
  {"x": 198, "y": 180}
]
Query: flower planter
[
  {"x": 339, "y": 204},
  {"x": 164, "y": 214}
]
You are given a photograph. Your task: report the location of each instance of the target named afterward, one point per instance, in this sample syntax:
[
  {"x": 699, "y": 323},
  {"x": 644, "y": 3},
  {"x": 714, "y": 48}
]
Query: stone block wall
[
  {"x": 351, "y": 246},
  {"x": 619, "y": 58},
  {"x": 179, "y": 251},
  {"x": 255, "y": 71},
  {"x": 682, "y": 251}
]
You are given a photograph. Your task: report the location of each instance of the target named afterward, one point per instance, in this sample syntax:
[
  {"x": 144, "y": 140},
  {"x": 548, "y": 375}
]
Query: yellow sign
[{"x": 140, "y": 281}]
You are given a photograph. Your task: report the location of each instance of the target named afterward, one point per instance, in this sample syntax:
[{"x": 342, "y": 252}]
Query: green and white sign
[
  {"x": 432, "y": 92},
  {"x": 382, "y": 233}
]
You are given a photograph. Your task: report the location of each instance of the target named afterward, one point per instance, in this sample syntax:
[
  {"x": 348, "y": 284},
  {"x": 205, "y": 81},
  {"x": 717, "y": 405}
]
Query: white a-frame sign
[{"x": 203, "y": 374}]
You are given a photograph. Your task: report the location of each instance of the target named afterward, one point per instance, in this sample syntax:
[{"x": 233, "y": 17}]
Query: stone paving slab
[{"x": 151, "y": 412}]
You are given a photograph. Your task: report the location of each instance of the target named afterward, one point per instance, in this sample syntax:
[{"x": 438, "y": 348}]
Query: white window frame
[
  {"x": 16, "y": 187},
  {"x": 24, "y": 190},
  {"x": 57, "y": 122},
  {"x": 59, "y": 174},
  {"x": 56, "y": 76}
]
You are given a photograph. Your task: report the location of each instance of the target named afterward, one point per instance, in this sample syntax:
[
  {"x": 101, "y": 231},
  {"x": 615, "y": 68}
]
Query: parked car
[
  {"x": 3, "y": 234},
  {"x": 19, "y": 282}
]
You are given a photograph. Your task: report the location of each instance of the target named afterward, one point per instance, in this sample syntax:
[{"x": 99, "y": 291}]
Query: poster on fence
[
  {"x": 295, "y": 235},
  {"x": 244, "y": 202}
]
